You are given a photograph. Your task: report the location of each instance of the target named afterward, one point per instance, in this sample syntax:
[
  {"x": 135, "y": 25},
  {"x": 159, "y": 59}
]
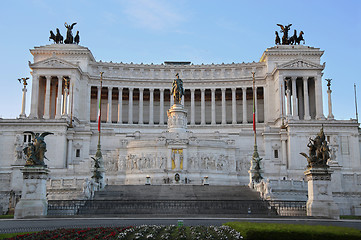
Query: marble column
[
  {"x": 301, "y": 110},
  {"x": 244, "y": 105},
  {"x": 161, "y": 107},
  {"x": 234, "y": 109},
  {"x": 140, "y": 121},
  {"x": 120, "y": 105},
  {"x": 88, "y": 108},
  {"x": 288, "y": 95},
  {"x": 98, "y": 100},
  {"x": 203, "y": 107},
  {"x": 171, "y": 100},
  {"x": 71, "y": 94},
  {"x": 22, "y": 114},
  {"x": 130, "y": 110},
  {"x": 330, "y": 115},
  {"x": 224, "y": 114},
  {"x": 47, "y": 98},
  {"x": 151, "y": 106},
  {"x": 110, "y": 91},
  {"x": 318, "y": 96},
  {"x": 294, "y": 99},
  {"x": 60, "y": 93},
  {"x": 192, "y": 107},
  {"x": 34, "y": 97},
  {"x": 213, "y": 92},
  {"x": 282, "y": 104},
  {"x": 306, "y": 99},
  {"x": 70, "y": 150},
  {"x": 284, "y": 150}
]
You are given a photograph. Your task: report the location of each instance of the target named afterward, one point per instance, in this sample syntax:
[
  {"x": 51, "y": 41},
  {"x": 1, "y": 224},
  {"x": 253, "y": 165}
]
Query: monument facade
[{"x": 204, "y": 132}]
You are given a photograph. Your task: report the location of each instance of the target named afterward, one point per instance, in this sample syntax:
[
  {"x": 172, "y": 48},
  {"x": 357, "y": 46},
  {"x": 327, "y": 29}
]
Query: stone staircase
[{"x": 176, "y": 201}]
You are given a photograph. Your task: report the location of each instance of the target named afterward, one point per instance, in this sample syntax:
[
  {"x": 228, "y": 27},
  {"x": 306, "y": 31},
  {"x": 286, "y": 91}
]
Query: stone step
[
  {"x": 175, "y": 200},
  {"x": 176, "y": 192}
]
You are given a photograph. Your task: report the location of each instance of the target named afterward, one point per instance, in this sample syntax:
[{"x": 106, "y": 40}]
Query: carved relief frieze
[{"x": 138, "y": 162}]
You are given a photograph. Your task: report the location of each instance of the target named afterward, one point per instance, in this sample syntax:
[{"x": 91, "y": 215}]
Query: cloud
[{"x": 153, "y": 14}]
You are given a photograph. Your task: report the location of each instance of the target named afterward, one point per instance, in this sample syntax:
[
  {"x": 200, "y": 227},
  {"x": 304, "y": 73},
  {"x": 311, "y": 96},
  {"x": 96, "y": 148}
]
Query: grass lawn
[{"x": 274, "y": 231}]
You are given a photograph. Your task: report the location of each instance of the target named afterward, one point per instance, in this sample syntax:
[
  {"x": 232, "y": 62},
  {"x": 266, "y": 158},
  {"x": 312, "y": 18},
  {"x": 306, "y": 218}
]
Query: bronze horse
[{"x": 300, "y": 38}]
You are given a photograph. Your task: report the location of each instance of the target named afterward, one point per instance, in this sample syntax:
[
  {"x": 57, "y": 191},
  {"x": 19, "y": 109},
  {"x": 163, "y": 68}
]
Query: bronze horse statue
[
  {"x": 52, "y": 36},
  {"x": 59, "y": 38},
  {"x": 300, "y": 38},
  {"x": 277, "y": 40}
]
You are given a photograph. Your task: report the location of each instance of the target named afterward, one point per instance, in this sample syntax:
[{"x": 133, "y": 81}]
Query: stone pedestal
[
  {"x": 33, "y": 202},
  {"x": 177, "y": 119},
  {"x": 320, "y": 201}
]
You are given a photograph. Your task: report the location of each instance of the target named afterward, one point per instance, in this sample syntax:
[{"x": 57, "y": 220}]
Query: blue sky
[{"x": 203, "y": 31}]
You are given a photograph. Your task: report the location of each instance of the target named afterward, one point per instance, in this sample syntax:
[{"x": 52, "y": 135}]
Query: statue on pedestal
[
  {"x": 177, "y": 89},
  {"x": 319, "y": 152},
  {"x": 35, "y": 151}
]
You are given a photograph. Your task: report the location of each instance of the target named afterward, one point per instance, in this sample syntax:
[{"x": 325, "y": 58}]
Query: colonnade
[
  {"x": 303, "y": 97},
  {"x": 50, "y": 97},
  {"x": 149, "y": 106}
]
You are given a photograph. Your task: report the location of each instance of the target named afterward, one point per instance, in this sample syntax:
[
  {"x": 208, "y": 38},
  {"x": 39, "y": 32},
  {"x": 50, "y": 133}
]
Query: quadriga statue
[{"x": 35, "y": 151}]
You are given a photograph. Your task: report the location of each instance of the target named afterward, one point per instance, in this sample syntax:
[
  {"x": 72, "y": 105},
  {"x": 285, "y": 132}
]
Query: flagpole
[
  {"x": 255, "y": 170},
  {"x": 354, "y": 86},
  {"x": 99, "y": 171},
  {"x": 100, "y": 108},
  {"x": 254, "y": 109}
]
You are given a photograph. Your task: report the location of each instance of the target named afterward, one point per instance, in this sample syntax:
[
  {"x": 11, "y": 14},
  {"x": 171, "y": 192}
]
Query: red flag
[{"x": 99, "y": 113}]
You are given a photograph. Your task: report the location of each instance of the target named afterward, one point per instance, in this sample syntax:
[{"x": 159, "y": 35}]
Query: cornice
[{"x": 62, "y": 49}]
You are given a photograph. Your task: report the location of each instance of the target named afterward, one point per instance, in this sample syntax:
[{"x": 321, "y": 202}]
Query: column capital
[
  {"x": 110, "y": 88},
  {"x": 141, "y": 89},
  {"x": 161, "y": 90},
  {"x": 244, "y": 88},
  {"x": 203, "y": 90},
  {"x": 120, "y": 89},
  {"x": 192, "y": 90},
  {"x": 223, "y": 89},
  {"x": 48, "y": 77},
  {"x": 234, "y": 88},
  {"x": 151, "y": 90},
  {"x": 213, "y": 90},
  {"x": 131, "y": 89}
]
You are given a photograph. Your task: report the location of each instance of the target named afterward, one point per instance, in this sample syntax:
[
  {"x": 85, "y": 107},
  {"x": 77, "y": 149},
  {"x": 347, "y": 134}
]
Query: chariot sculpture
[
  {"x": 59, "y": 39},
  {"x": 293, "y": 40}
]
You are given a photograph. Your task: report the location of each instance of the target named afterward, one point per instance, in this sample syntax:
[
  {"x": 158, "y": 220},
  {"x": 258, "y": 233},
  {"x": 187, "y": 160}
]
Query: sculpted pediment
[
  {"x": 301, "y": 64},
  {"x": 53, "y": 63}
]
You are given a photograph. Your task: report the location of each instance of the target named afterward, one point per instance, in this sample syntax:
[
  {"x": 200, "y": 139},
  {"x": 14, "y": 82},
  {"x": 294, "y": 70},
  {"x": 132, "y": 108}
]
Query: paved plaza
[{"x": 28, "y": 225}]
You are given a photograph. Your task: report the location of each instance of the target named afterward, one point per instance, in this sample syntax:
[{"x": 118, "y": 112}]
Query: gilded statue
[
  {"x": 35, "y": 151},
  {"x": 177, "y": 89},
  {"x": 319, "y": 151}
]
